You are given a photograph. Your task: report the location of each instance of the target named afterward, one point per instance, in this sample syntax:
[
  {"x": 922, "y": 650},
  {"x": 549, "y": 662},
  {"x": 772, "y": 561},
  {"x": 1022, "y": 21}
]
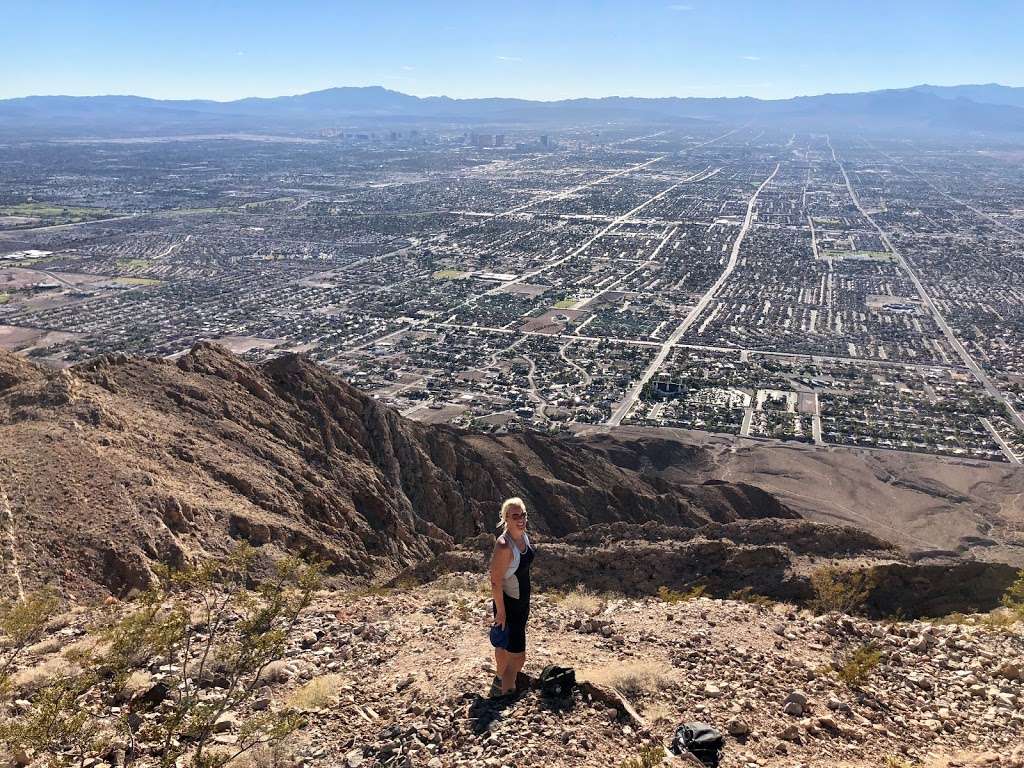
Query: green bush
[
  {"x": 22, "y": 624},
  {"x": 224, "y": 620},
  {"x": 748, "y": 595},
  {"x": 856, "y": 668},
  {"x": 672, "y": 596},
  {"x": 1014, "y": 597},
  {"x": 837, "y": 589}
]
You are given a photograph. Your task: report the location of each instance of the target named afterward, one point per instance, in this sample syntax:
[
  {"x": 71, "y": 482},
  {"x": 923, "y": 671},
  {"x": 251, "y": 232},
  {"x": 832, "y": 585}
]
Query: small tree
[
  {"x": 216, "y": 626},
  {"x": 836, "y": 589},
  {"x": 22, "y": 624},
  {"x": 58, "y": 725}
]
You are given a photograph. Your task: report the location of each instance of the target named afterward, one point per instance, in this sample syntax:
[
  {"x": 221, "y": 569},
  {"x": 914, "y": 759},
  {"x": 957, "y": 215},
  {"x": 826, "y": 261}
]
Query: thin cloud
[
  {"x": 508, "y": 58},
  {"x": 751, "y": 58},
  {"x": 407, "y": 68},
  {"x": 680, "y": 7}
]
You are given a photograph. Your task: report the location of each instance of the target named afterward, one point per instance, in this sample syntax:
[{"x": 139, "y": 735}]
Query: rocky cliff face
[{"x": 118, "y": 463}]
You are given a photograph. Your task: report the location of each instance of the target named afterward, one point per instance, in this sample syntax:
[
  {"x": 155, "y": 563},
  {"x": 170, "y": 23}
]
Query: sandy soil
[{"x": 919, "y": 501}]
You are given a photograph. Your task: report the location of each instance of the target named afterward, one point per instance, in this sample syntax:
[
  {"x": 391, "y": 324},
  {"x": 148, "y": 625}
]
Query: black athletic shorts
[{"x": 517, "y": 612}]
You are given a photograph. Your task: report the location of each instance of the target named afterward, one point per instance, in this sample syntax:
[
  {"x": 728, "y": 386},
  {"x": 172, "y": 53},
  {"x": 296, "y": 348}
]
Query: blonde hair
[{"x": 515, "y": 501}]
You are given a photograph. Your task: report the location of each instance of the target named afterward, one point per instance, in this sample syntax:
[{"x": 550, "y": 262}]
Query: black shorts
[{"x": 517, "y": 612}]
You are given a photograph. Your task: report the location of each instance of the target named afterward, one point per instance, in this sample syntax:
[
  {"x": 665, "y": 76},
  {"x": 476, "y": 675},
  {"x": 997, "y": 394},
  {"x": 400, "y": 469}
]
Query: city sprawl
[{"x": 832, "y": 290}]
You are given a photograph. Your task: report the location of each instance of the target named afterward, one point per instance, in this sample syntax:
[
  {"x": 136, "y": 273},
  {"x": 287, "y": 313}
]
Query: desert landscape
[{"x": 682, "y": 578}]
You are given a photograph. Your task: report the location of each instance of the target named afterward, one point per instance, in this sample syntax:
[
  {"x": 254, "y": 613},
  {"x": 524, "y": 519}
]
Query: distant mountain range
[{"x": 989, "y": 109}]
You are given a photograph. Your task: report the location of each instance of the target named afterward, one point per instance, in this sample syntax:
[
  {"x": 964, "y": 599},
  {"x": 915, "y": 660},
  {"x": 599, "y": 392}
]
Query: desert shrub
[
  {"x": 857, "y": 667},
  {"x": 836, "y": 589},
  {"x": 1000, "y": 619},
  {"x": 748, "y": 595},
  {"x": 316, "y": 694},
  {"x": 58, "y": 725},
  {"x": 23, "y": 625},
  {"x": 634, "y": 678},
  {"x": 581, "y": 600},
  {"x": 671, "y": 596},
  {"x": 650, "y": 757},
  {"x": 276, "y": 756},
  {"x": 245, "y": 624},
  {"x": 1014, "y": 597}
]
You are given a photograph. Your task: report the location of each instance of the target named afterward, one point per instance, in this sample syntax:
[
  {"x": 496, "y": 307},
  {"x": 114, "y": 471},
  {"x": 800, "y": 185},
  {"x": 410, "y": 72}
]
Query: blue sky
[{"x": 542, "y": 50}]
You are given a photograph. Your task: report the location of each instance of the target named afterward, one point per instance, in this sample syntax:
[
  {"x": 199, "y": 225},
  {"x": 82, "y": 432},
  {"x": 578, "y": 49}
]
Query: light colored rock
[{"x": 737, "y": 727}]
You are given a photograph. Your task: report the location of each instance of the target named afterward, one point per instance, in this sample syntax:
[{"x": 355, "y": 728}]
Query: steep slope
[{"x": 121, "y": 462}]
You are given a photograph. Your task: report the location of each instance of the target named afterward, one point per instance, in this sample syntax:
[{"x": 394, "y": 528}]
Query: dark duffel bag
[
  {"x": 700, "y": 740},
  {"x": 557, "y": 682}
]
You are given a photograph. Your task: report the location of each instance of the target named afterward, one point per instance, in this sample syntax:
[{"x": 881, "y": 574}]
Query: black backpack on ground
[
  {"x": 557, "y": 682},
  {"x": 700, "y": 740}
]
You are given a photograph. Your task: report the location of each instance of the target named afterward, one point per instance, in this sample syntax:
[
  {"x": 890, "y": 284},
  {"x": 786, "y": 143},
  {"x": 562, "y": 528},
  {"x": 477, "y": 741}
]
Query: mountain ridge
[
  {"x": 985, "y": 108},
  {"x": 120, "y": 462}
]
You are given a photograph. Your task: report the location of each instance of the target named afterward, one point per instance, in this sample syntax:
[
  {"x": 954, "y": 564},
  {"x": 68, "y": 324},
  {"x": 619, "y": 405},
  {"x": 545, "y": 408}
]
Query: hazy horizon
[
  {"x": 492, "y": 96},
  {"x": 530, "y": 51}
]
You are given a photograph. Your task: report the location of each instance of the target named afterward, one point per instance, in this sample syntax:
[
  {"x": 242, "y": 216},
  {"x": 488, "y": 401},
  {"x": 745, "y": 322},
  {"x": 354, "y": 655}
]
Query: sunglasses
[{"x": 517, "y": 515}]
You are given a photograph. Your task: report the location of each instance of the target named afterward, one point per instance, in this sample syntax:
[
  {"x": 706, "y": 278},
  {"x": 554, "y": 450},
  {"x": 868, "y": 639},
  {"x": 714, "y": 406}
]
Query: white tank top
[{"x": 510, "y": 584}]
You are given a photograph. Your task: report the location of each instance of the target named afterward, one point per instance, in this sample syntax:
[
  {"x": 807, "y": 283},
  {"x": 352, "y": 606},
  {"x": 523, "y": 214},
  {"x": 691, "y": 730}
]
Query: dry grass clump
[
  {"x": 274, "y": 672},
  {"x": 46, "y": 646},
  {"x": 90, "y": 645},
  {"x": 659, "y": 713},
  {"x": 649, "y": 757},
  {"x": 581, "y": 600},
  {"x": 277, "y": 756},
  {"x": 138, "y": 682},
  {"x": 317, "y": 693},
  {"x": 636, "y": 678},
  {"x": 999, "y": 618},
  {"x": 31, "y": 679}
]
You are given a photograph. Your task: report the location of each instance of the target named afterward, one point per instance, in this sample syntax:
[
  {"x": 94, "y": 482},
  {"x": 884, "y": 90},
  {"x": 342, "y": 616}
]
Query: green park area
[
  {"x": 567, "y": 303},
  {"x": 54, "y": 214},
  {"x": 450, "y": 274},
  {"x": 860, "y": 255},
  {"x": 135, "y": 263}
]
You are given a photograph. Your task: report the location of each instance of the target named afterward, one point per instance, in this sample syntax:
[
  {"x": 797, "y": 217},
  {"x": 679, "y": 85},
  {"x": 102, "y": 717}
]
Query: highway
[
  {"x": 634, "y": 392},
  {"x": 954, "y": 342}
]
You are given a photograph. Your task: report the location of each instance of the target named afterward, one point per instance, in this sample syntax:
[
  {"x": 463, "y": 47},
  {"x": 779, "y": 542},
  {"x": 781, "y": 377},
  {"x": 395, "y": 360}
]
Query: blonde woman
[{"x": 510, "y": 590}]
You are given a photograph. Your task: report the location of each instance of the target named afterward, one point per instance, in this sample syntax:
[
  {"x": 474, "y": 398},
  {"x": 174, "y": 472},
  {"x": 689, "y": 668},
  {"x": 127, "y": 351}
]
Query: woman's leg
[
  {"x": 500, "y": 662},
  {"x": 512, "y": 668}
]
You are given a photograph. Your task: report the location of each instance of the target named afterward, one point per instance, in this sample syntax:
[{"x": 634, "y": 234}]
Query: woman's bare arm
[{"x": 500, "y": 559}]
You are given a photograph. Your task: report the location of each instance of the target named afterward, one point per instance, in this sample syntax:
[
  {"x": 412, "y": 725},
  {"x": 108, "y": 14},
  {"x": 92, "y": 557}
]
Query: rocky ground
[{"x": 402, "y": 679}]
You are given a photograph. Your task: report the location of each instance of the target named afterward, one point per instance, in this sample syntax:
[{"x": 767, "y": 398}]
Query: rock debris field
[{"x": 401, "y": 678}]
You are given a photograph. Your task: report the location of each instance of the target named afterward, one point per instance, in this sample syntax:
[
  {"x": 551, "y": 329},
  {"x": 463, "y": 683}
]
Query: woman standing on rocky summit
[{"x": 510, "y": 590}]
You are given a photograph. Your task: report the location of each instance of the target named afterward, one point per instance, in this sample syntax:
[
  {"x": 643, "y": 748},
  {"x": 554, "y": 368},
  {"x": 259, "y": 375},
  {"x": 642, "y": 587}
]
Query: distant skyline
[{"x": 534, "y": 50}]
